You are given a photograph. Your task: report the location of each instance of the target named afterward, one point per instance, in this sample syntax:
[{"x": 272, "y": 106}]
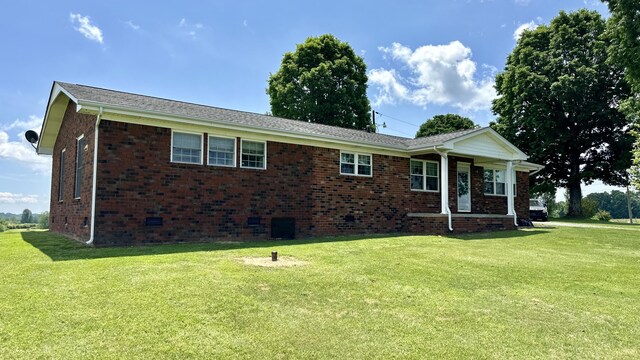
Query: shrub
[
  {"x": 22, "y": 226},
  {"x": 589, "y": 207},
  {"x": 602, "y": 215},
  {"x": 3, "y": 226},
  {"x": 43, "y": 220}
]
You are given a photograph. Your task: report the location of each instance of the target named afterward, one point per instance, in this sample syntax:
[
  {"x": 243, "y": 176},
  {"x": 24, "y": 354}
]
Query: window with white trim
[
  {"x": 61, "y": 177},
  {"x": 495, "y": 182},
  {"x": 186, "y": 148},
  {"x": 253, "y": 154},
  {"x": 79, "y": 150},
  {"x": 355, "y": 164},
  {"x": 424, "y": 175},
  {"x": 222, "y": 151}
]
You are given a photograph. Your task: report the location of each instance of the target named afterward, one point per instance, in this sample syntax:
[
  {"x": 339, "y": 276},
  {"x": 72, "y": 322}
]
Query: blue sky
[{"x": 424, "y": 58}]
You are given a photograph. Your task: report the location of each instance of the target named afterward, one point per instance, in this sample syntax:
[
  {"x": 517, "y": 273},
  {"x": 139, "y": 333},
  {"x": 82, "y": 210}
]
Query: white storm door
[{"x": 464, "y": 187}]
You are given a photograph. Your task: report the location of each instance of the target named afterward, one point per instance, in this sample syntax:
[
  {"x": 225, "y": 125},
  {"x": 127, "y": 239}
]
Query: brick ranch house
[{"x": 133, "y": 169}]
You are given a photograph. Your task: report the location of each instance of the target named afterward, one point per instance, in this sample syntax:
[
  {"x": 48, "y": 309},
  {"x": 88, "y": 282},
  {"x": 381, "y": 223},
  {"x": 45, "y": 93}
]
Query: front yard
[{"x": 557, "y": 292}]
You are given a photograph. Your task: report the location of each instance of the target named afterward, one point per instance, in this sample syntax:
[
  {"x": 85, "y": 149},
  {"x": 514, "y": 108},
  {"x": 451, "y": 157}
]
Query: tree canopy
[
  {"x": 558, "y": 100},
  {"x": 441, "y": 124},
  {"x": 27, "y": 216},
  {"x": 624, "y": 29},
  {"x": 624, "y": 50},
  {"x": 323, "y": 81}
]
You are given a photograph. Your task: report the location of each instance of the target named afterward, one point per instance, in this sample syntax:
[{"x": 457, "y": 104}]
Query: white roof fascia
[{"x": 56, "y": 90}]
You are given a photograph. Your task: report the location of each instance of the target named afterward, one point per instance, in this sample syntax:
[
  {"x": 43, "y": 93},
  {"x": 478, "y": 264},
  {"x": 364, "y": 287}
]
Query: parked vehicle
[{"x": 538, "y": 210}]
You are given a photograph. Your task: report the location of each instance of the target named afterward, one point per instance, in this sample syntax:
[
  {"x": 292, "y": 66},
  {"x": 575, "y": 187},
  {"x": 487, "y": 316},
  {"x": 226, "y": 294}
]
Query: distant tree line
[
  {"x": 614, "y": 202},
  {"x": 11, "y": 221}
]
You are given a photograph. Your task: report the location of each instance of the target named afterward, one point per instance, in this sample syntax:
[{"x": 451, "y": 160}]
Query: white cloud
[
  {"x": 190, "y": 29},
  {"x": 9, "y": 198},
  {"x": 133, "y": 26},
  {"x": 33, "y": 123},
  {"x": 389, "y": 86},
  {"x": 22, "y": 152},
  {"x": 438, "y": 74},
  {"x": 85, "y": 27},
  {"x": 522, "y": 2},
  {"x": 531, "y": 25},
  {"x": 245, "y": 23}
]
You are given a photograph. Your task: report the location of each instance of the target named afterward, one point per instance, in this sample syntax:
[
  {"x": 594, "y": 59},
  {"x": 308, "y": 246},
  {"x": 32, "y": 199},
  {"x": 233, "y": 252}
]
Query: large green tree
[
  {"x": 441, "y": 124},
  {"x": 624, "y": 29},
  {"x": 558, "y": 100},
  {"x": 323, "y": 81}
]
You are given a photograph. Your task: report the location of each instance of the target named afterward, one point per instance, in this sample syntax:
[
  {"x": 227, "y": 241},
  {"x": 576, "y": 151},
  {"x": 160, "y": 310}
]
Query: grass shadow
[
  {"x": 60, "y": 248},
  {"x": 497, "y": 235}
]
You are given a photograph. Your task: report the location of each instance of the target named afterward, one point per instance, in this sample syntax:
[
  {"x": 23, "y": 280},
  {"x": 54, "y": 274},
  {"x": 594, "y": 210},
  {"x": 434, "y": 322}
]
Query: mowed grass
[{"x": 536, "y": 293}]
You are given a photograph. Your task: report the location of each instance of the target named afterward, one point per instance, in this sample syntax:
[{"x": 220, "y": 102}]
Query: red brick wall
[
  {"x": 344, "y": 204},
  {"x": 136, "y": 181},
  {"x": 73, "y": 210}
]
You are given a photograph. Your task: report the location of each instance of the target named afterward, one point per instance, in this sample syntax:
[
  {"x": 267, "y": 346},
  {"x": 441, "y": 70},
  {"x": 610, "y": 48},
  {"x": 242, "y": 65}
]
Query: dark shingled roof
[{"x": 215, "y": 115}]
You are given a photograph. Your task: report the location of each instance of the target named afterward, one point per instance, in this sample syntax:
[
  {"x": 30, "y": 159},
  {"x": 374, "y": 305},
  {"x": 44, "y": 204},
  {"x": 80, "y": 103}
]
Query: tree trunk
[{"x": 575, "y": 199}]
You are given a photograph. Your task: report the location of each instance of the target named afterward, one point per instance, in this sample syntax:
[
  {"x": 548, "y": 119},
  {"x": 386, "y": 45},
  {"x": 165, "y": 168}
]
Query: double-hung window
[
  {"x": 186, "y": 148},
  {"x": 424, "y": 175},
  {"x": 79, "y": 149},
  {"x": 495, "y": 182},
  {"x": 222, "y": 151},
  {"x": 253, "y": 154},
  {"x": 355, "y": 164}
]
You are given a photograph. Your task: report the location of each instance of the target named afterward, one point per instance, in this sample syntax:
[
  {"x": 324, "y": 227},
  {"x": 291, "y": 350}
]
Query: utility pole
[
  {"x": 629, "y": 206},
  {"x": 373, "y": 118}
]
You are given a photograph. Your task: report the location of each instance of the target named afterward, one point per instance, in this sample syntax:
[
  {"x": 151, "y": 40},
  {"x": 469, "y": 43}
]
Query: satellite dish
[{"x": 31, "y": 136}]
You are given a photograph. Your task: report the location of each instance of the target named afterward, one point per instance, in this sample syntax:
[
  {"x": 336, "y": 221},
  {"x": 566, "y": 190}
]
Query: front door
[{"x": 464, "y": 187}]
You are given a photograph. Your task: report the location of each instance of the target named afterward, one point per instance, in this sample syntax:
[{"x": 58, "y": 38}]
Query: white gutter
[
  {"x": 444, "y": 191},
  {"x": 90, "y": 106},
  {"x": 94, "y": 180},
  {"x": 535, "y": 172}
]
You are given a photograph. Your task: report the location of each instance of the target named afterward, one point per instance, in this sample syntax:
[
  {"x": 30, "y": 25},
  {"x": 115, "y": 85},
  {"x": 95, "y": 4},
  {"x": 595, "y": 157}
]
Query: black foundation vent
[
  {"x": 153, "y": 221},
  {"x": 253, "y": 220},
  {"x": 283, "y": 228}
]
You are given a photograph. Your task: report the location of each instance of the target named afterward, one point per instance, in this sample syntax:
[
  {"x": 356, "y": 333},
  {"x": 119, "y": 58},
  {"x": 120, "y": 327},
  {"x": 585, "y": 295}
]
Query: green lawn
[{"x": 537, "y": 293}]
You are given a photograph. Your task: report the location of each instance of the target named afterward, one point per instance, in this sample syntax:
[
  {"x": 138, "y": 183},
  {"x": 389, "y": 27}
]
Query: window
[
  {"x": 61, "y": 179},
  {"x": 79, "y": 151},
  {"x": 424, "y": 175},
  {"x": 186, "y": 148},
  {"x": 495, "y": 182},
  {"x": 222, "y": 151},
  {"x": 355, "y": 164},
  {"x": 253, "y": 154}
]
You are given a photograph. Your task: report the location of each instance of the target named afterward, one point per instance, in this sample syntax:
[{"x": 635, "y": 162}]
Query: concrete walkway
[{"x": 597, "y": 226}]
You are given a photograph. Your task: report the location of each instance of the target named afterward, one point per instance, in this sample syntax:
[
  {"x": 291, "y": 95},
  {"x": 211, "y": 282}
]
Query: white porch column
[
  {"x": 509, "y": 185},
  {"x": 444, "y": 183}
]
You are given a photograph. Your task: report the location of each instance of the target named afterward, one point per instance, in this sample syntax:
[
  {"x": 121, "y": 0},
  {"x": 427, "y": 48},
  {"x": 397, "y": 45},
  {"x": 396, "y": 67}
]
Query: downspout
[
  {"x": 444, "y": 192},
  {"x": 512, "y": 196},
  {"x": 94, "y": 179}
]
